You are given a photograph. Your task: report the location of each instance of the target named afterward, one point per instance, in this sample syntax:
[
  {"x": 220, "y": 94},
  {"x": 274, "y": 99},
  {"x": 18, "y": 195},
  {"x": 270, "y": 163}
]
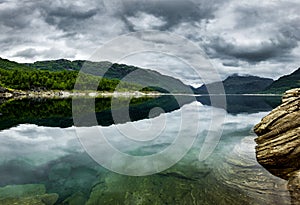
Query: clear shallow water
[{"x": 54, "y": 157}]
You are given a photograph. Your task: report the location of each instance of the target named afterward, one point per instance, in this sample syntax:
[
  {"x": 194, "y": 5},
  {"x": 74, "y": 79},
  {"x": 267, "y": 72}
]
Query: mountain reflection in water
[{"x": 39, "y": 146}]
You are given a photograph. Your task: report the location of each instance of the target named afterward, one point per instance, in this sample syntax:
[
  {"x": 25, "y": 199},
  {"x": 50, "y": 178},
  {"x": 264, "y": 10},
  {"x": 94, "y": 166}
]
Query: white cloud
[
  {"x": 166, "y": 65},
  {"x": 39, "y": 145},
  {"x": 144, "y": 21},
  {"x": 36, "y": 144}
]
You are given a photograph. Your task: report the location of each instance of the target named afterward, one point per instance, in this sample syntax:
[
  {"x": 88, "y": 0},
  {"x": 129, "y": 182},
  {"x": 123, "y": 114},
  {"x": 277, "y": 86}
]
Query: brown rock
[
  {"x": 278, "y": 142},
  {"x": 294, "y": 187}
]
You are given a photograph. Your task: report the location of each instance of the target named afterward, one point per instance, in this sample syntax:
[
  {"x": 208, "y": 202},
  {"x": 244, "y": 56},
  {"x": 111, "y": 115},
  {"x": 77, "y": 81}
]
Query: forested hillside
[
  {"x": 285, "y": 83},
  {"x": 62, "y": 74}
]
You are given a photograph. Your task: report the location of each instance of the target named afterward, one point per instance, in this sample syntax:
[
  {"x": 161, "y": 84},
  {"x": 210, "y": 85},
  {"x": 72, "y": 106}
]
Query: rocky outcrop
[
  {"x": 3, "y": 90},
  {"x": 278, "y": 142}
]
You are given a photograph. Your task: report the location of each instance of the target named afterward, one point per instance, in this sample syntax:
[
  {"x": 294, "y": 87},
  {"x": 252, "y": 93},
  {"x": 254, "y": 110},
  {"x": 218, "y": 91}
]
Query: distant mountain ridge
[
  {"x": 285, "y": 83},
  {"x": 7, "y": 64},
  {"x": 48, "y": 65},
  {"x": 234, "y": 84},
  {"x": 159, "y": 82},
  {"x": 56, "y": 65},
  {"x": 111, "y": 71},
  {"x": 237, "y": 84}
]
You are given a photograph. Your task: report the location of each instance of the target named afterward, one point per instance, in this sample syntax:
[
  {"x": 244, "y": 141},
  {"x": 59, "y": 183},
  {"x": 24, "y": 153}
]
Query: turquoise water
[{"x": 45, "y": 163}]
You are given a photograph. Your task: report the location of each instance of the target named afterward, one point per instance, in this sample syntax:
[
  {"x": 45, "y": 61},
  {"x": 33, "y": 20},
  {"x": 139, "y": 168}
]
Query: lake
[{"x": 41, "y": 146}]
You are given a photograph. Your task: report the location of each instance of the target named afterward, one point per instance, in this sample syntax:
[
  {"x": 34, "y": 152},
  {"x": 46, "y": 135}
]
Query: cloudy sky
[{"x": 247, "y": 37}]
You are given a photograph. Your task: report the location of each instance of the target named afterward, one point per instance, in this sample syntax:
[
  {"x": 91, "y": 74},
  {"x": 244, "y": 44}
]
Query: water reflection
[
  {"x": 245, "y": 103},
  {"x": 54, "y": 157},
  {"x": 58, "y": 112}
]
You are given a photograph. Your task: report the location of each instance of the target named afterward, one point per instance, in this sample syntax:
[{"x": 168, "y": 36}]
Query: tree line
[{"x": 59, "y": 80}]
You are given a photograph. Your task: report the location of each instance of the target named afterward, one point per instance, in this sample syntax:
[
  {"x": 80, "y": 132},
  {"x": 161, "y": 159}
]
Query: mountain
[
  {"x": 123, "y": 72},
  {"x": 56, "y": 65},
  {"x": 7, "y": 64},
  {"x": 284, "y": 83},
  {"x": 62, "y": 73},
  {"x": 236, "y": 84}
]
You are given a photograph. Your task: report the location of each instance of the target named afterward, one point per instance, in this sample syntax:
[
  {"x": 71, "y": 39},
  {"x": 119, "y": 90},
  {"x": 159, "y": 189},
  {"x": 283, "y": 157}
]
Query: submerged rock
[
  {"x": 278, "y": 142},
  {"x": 241, "y": 171},
  {"x": 18, "y": 191},
  {"x": 232, "y": 177},
  {"x": 78, "y": 198},
  {"x": 45, "y": 199},
  {"x": 193, "y": 182}
]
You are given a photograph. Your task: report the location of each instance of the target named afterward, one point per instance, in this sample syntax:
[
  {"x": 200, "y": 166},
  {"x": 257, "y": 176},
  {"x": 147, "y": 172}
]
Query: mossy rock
[
  {"x": 21, "y": 191},
  {"x": 60, "y": 171},
  {"x": 49, "y": 199},
  {"x": 76, "y": 199},
  {"x": 27, "y": 194},
  {"x": 46, "y": 199},
  {"x": 154, "y": 189}
]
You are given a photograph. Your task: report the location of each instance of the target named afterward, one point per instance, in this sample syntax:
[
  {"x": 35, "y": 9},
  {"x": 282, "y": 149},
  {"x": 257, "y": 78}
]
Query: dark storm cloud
[
  {"x": 270, "y": 49},
  {"x": 233, "y": 33},
  {"x": 231, "y": 63},
  {"x": 51, "y": 53},
  {"x": 16, "y": 17},
  {"x": 278, "y": 13},
  {"x": 27, "y": 53},
  {"x": 173, "y": 12},
  {"x": 20, "y": 15},
  {"x": 68, "y": 18},
  {"x": 9, "y": 42},
  {"x": 71, "y": 13},
  {"x": 291, "y": 29},
  {"x": 268, "y": 33}
]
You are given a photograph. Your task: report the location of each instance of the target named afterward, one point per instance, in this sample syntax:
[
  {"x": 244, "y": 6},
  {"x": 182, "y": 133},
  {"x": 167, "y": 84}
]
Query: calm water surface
[{"x": 39, "y": 145}]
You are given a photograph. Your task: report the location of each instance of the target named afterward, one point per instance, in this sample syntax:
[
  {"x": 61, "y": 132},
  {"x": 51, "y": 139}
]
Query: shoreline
[
  {"x": 20, "y": 94},
  {"x": 68, "y": 94}
]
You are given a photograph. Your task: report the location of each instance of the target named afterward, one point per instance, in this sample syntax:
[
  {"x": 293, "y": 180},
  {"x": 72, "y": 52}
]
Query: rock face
[{"x": 278, "y": 142}]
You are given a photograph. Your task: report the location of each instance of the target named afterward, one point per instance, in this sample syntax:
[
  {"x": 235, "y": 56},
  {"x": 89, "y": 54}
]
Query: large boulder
[{"x": 278, "y": 141}]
